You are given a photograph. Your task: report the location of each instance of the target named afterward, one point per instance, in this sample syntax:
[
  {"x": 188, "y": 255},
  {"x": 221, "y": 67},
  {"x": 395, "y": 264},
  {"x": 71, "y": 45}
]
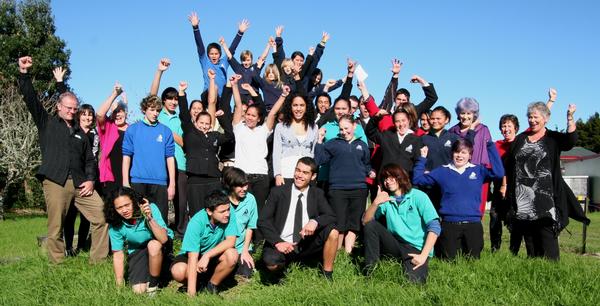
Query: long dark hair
[
  {"x": 110, "y": 213},
  {"x": 288, "y": 115}
]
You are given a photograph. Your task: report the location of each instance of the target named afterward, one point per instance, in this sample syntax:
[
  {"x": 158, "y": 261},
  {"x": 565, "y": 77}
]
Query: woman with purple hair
[{"x": 469, "y": 127}]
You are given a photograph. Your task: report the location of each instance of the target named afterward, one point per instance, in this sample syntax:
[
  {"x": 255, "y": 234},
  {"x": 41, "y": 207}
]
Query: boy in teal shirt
[
  {"x": 412, "y": 225},
  {"x": 243, "y": 205},
  {"x": 208, "y": 248}
]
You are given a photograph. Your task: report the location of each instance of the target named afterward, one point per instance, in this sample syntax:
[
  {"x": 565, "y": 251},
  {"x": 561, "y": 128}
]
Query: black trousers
[
  {"x": 156, "y": 194},
  {"x": 197, "y": 190},
  {"x": 466, "y": 237},
  {"x": 258, "y": 185},
  {"x": 180, "y": 203},
  {"x": 498, "y": 212},
  {"x": 69, "y": 229},
  {"x": 541, "y": 238},
  {"x": 308, "y": 248},
  {"x": 379, "y": 241}
]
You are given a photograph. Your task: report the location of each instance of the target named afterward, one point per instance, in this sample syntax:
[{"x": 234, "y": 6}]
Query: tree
[
  {"x": 26, "y": 28},
  {"x": 589, "y": 133}
]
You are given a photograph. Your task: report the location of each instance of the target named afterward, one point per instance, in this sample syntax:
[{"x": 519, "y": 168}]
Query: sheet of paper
[{"x": 360, "y": 73}]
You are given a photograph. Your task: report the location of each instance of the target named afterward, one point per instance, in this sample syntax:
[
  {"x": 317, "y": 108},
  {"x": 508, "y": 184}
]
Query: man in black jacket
[
  {"x": 298, "y": 223},
  {"x": 68, "y": 169}
]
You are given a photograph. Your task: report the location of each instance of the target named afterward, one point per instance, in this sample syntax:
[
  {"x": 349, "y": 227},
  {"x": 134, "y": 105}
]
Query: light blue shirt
[
  {"x": 174, "y": 124},
  {"x": 246, "y": 214}
]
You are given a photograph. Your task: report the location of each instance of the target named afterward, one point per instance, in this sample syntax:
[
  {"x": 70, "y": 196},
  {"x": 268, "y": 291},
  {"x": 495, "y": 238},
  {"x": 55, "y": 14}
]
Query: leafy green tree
[
  {"x": 26, "y": 28},
  {"x": 589, "y": 133}
]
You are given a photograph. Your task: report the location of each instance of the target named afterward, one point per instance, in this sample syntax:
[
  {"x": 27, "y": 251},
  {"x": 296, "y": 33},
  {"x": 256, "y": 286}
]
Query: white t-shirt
[{"x": 251, "y": 148}]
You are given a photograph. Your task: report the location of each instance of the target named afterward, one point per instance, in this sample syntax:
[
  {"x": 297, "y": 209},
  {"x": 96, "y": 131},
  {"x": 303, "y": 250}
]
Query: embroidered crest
[
  {"x": 472, "y": 176},
  {"x": 409, "y": 149},
  {"x": 159, "y": 138},
  {"x": 448, "y": 144},
  {"x": 215, "y": 143},
  {"x": 77, "y": 136},
  {"x": 358, "y": 147}
]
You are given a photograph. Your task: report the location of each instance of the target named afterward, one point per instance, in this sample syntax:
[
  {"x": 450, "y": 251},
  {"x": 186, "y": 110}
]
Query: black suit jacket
[{"x": 273, "y": 215}]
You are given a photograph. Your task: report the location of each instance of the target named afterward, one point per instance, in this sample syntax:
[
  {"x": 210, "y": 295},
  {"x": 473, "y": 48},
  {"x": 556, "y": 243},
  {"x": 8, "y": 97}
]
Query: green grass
[{"x": 26, "y": 278}]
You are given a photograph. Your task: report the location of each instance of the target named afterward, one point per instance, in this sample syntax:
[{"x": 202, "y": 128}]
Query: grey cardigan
[{"x": 286, "y": 144}]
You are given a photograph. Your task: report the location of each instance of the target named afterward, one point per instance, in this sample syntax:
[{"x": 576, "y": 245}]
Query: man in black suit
[{"x": 298, "y": 223}]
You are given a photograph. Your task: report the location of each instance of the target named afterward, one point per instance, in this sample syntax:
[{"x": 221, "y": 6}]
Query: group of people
[{"x": 290, "y": 169}]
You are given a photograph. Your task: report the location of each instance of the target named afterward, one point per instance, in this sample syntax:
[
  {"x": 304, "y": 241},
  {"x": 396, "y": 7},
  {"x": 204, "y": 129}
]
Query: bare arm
[
  {"x": 263, "y": 57},
  {"x": 270, "y": 122},
  {"x": 225, "y": 48},
  {"x": 571, "y": 127},
  {"x": 172, "y": 174},
  {"x": 119, "y": 267},
  {"x": 125, "y": 170},
  {"x": 163, "y": 65},
  {"x": 212, "y": 96},
  {"x": 192, "y": 273},
  {"x": 237, "y": 112},
  {"x": 105, "y": 106},
  {"x": 551, "y": 97},
  {"x": 381, "y": 198}
]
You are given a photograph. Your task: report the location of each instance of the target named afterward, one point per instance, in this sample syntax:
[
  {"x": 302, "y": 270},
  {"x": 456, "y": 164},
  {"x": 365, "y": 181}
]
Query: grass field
[{"x": 26, "y": 278}]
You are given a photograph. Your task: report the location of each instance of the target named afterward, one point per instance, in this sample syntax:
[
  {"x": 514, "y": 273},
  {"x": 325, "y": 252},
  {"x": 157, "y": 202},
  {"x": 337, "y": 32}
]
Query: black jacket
[
  {"x": 272, "y": 217},
  {"x": 64, "y": 150}
]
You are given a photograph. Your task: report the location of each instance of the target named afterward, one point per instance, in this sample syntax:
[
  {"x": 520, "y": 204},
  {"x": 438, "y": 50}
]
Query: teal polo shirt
[
  {"x": 246, "y": 214},
  {"x": 137, "y": 235},
  {"x": 408, "y": 220},
  {"x": 174, "y": 124},
  {"x": 200, "y": 236}
]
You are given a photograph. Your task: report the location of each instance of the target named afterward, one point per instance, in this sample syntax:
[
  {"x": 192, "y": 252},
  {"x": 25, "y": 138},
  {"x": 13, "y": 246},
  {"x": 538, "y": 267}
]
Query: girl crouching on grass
[{"x": 134, "y": 222}]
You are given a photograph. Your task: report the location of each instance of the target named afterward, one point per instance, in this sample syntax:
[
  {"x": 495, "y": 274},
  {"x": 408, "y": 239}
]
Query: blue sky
[{"x": 505, "y": 54}]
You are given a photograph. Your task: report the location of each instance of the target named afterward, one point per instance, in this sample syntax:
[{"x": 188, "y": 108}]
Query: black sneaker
[{"x": 212, "y": 288}]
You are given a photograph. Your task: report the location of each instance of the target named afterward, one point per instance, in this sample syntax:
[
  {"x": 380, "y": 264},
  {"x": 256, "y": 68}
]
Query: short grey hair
[
  {"x": 468, "y": 105},
  {"x": 539, "y": 107}
]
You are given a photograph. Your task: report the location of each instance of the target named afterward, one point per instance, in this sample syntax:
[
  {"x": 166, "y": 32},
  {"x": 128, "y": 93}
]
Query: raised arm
[
  {"x": 571, "y": 127},
  {"x": 263, "y": 57},
  {"x": 270, "y": 122},
  {"x": 225, "y": 48},
  {"x": 419, "y": 176},
  {"x": 238, "y": 112},
  {"x": 163, "y": 65},
  {"x": 551, "y": 97},
  {"x": 430, "y": 94},
  {"x": 59, "y": 75},
  {"x": 105, "y": 106},
  {"x": 212, "y": 93},
  {"x": 184, "y": 111},
  {"x": 242, "y": 27},
  {"x": 279, "y": 54},
  {"x": 35, "y": 107},
  {"x": 347, "y": 88},
  {"x": 381, "y": 198},
  {"x": 193, "y": 18},
  {"x": 390, "y": 92}
]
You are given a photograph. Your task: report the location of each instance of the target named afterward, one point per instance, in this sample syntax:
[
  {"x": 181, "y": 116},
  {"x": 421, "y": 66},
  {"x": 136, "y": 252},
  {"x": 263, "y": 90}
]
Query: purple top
[{"x": 482, "y": 136}]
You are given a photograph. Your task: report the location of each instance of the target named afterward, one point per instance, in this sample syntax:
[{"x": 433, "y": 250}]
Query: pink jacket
[{"x": 108, "y": 134}]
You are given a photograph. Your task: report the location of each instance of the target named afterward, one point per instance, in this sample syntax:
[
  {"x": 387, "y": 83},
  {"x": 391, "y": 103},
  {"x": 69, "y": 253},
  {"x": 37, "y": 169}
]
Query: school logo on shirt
[
  {"x": 473, "y": 176},
  {"x": 159, "y": 138},
  {"x": 215, "y": 143},
  {"x": 448, "y": 144},
  {"x": 409, "y": 149},
  {"x": 77, "y": 136},
  {"x": 245, "y": 212},
  {"x": 358, "y": 147}
]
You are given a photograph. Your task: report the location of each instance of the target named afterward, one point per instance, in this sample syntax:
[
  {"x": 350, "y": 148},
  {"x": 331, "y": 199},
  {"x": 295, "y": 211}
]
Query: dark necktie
[{"x": 297, "y": 220}]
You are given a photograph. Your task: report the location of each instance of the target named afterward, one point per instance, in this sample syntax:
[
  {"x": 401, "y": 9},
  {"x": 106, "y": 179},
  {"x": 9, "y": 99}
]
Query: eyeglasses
[{"x": 69, "y": 108}]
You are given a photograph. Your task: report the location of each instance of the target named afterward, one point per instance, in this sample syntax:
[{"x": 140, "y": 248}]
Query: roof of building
[{"x": 578, "y": 153}]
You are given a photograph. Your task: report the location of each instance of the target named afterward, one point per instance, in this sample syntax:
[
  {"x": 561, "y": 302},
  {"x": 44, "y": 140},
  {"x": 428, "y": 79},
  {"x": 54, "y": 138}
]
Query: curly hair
[
  {"x": 288, "y": 115},
  {"x": 110, "y": 213},
  {"x": 151, "y": 101}
]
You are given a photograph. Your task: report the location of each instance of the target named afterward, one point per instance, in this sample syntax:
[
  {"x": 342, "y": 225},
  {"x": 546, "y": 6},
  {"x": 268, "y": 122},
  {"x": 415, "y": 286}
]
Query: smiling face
[
  {"x": 323, "y": 104},
  {"x": 341, "y": 108},
  {"x": 171, "y": 104},
  {"x": 124, "y": 207},
  {"x": 466, "y": 118},
  {"x": 401, "y": 123},
  {"x": 220, "y": 214},
  {"x": 298, "y": 108},
  {"x": 461, "y": 157},
  {"x": 121, "y": 118},
  {"x": 247, "y": 62},
  {"x": 347, "y": 129},
  {"x": 353, "y": 106},
  {"x": 424, "y": 122},
  {"x": 196, "y": 108},
  {"x": 438, "y": 121},
  {"x": 508, "y": 130},
  {"x": 537, "y": 121},
  {"x": 287, "y": 67},
  {"x": 303, "y": 175},
  {"x": 391, "y": 184},
  {"x": 86, "y": 119},
  {"x": 251, "y": 117},
  {"x": 67, "y": 107},
  {"x": 401, "y": 99},
  {"x": 364, "y": 113},
  {"x": 298, "y": 62},
  {"x": 240, "y": 191},
  {"x": 203, "y": 123}
]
